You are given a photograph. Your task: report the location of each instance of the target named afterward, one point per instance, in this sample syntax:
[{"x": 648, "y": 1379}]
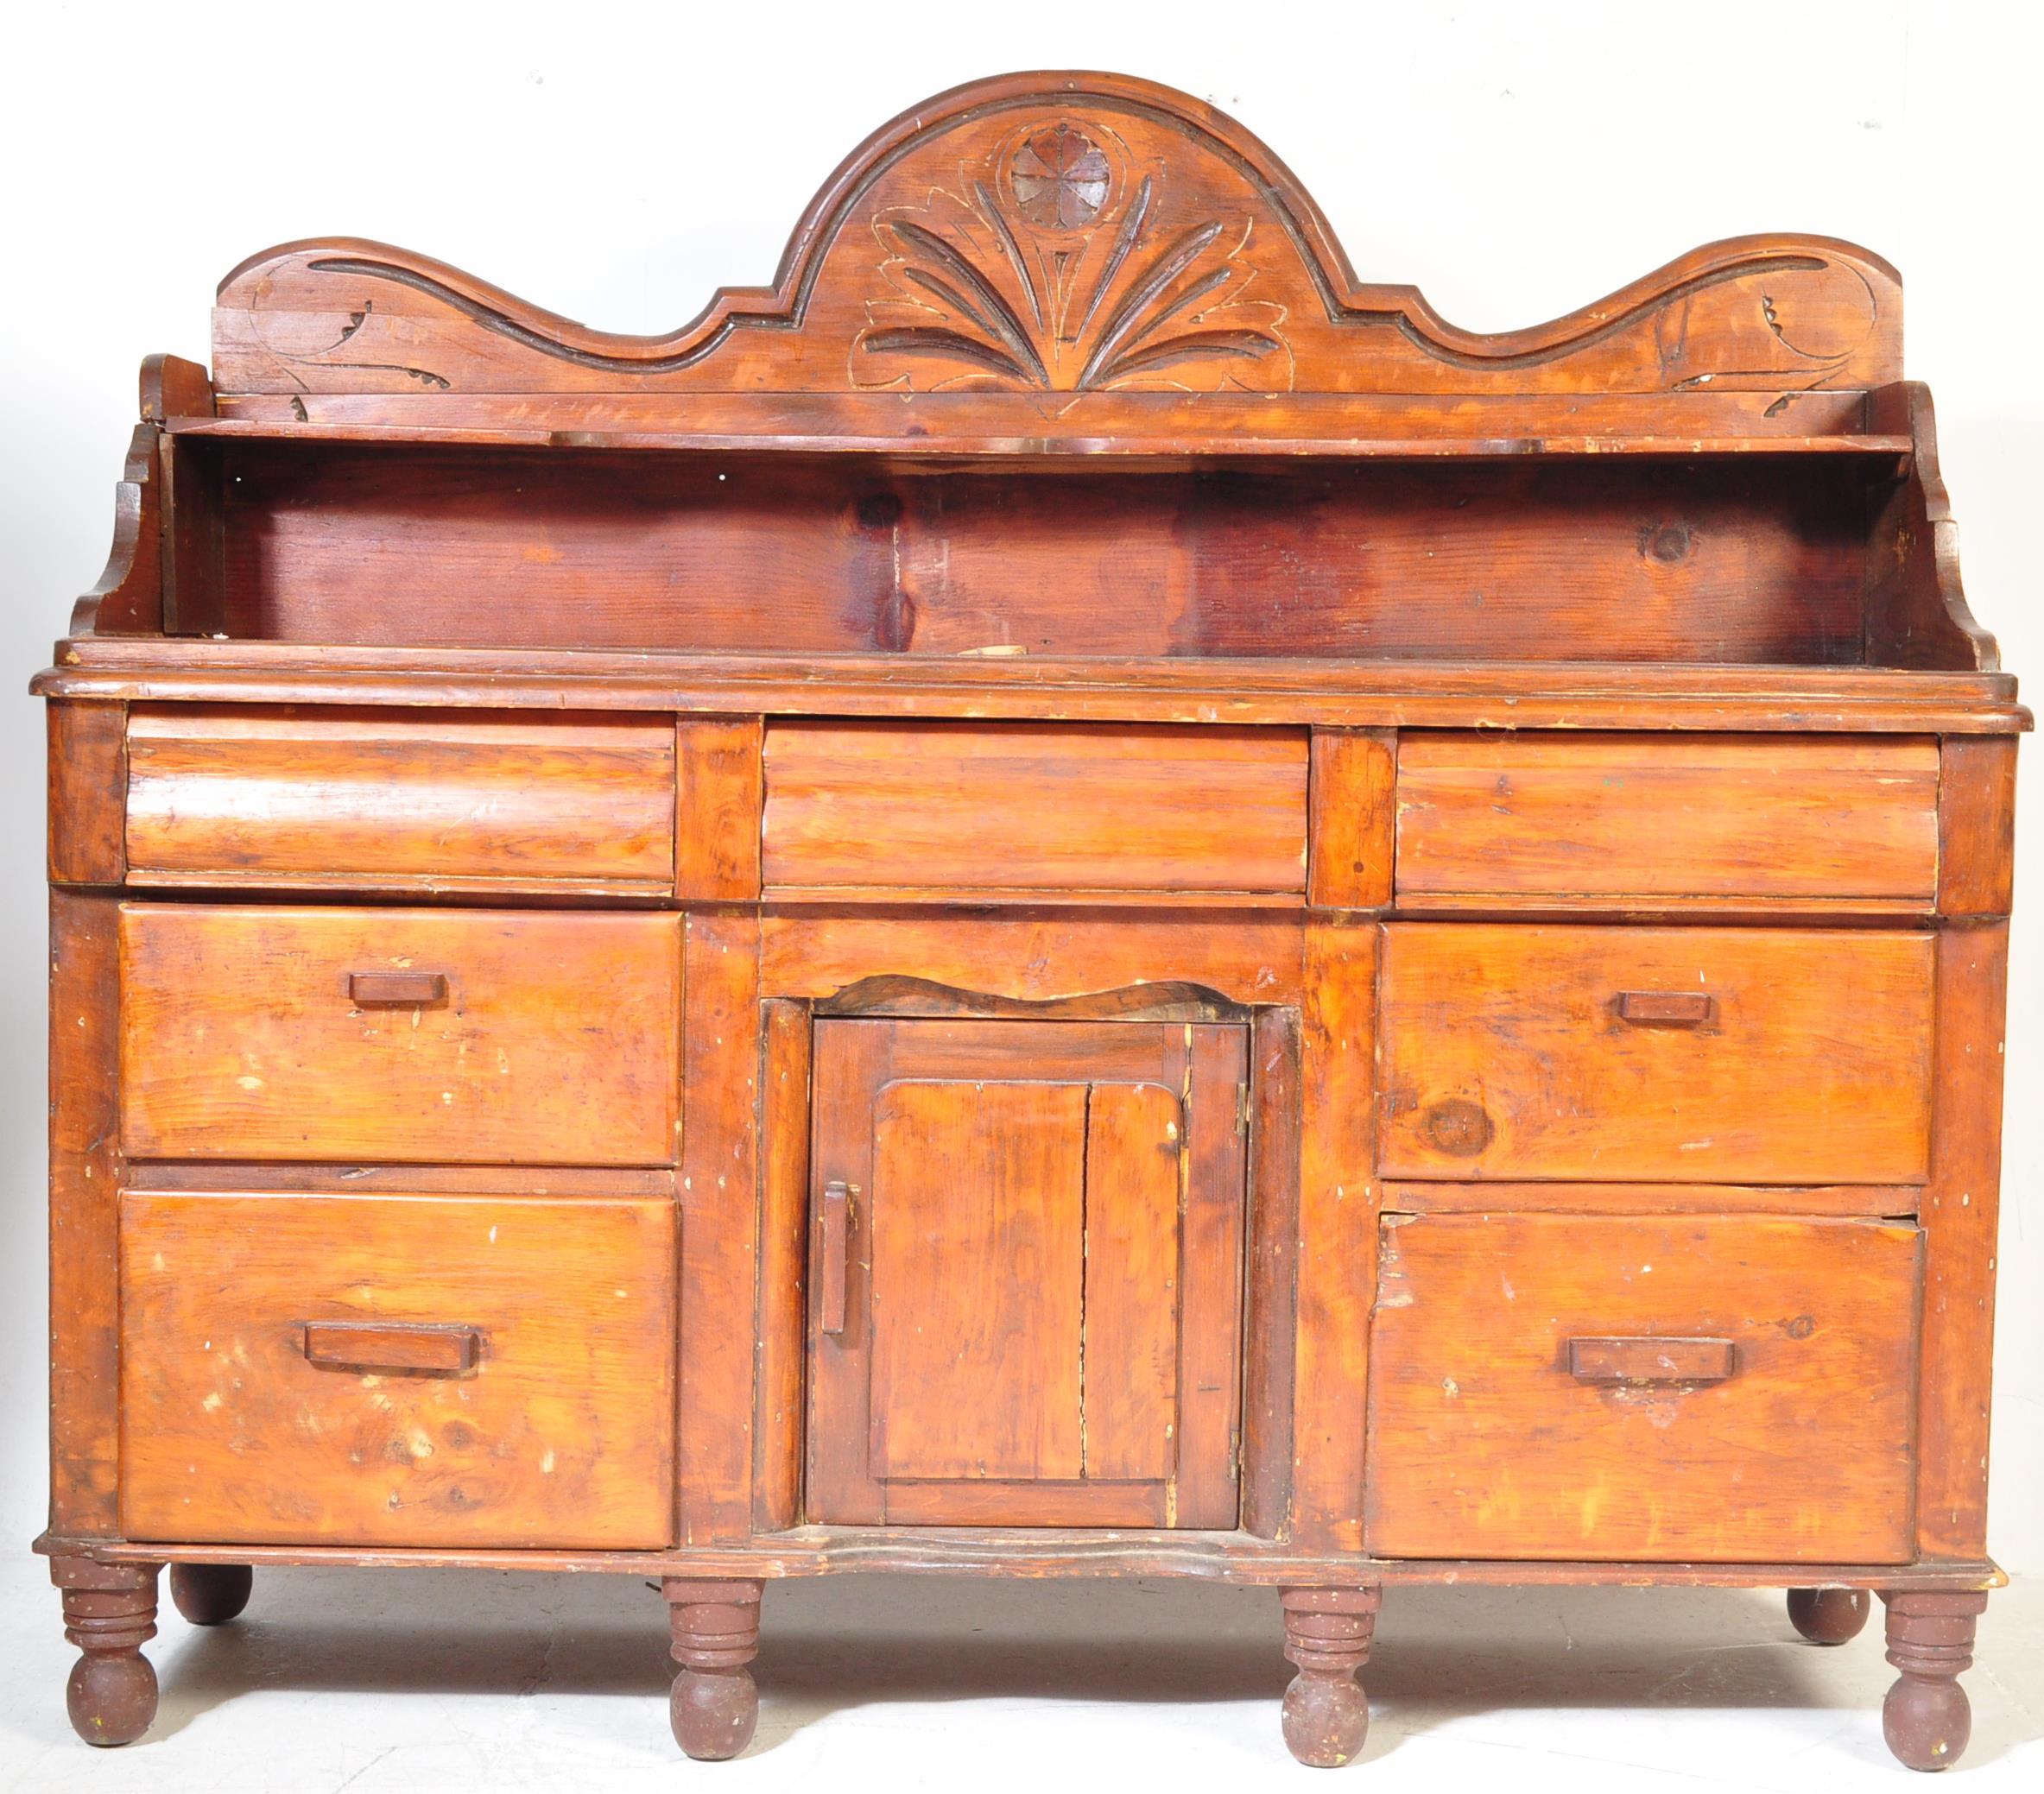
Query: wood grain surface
[
  {"x": 245, "y": 1422},
  {"x": 558, "y": 1042},
  {"x": 860, "y": 807},
  {"x": 1488, "y": 1438},
  {"x": 428, "y": 800},
  {"x": 87, "y": 785},
  {"x": 1067, "y": 895},
  {"x": 1041, "y": 1317},
  {"x": 1505, "y": 1054},
  {"x": 1612, "y": 559},
  {"x": 938, "y": 189},
  {"x": 1962, "y": 1210},
  {"x": 723, "y": 1022},
  {"x": 86, "y": 1164},
  {"x": 1593, "y": 821},
  {"x": 1411, "y": 693}
]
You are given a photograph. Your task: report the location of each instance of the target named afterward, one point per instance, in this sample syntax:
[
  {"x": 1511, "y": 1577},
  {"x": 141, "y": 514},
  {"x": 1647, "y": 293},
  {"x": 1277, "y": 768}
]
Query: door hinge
[{"x": 1241, "y": 1110}]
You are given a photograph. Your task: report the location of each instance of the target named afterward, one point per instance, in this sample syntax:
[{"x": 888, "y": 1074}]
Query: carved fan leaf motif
[{"x": 994, "y": 293}]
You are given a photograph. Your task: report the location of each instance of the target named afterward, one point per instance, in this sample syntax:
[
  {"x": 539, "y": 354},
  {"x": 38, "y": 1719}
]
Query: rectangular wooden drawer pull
[
  {"x": 397, "y": 989},
  {"x": 420, "y": 1347},
  {"x": 1651, "y": 1361},
  {"x": 1668, "y": 1008},
  {"x": 837, "y": 1251}
]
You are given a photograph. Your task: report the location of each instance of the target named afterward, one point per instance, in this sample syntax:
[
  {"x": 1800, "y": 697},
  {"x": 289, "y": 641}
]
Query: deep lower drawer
[
  {"x": 1708, "y": 1389},
  {"x": 442, "y": 801},
  {"x": 1694, "y": 1055},
  {"x": 417, "y": 1035},
  {"x": 397, "y": 1370}
]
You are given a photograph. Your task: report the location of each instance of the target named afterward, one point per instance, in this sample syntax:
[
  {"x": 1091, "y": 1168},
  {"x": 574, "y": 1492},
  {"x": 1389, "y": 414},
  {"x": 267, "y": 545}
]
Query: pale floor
[{"x": 381, "y": 1681}]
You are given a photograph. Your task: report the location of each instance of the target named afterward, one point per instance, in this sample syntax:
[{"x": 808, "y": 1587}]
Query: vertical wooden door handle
[{"x": 837, "y": 1253}]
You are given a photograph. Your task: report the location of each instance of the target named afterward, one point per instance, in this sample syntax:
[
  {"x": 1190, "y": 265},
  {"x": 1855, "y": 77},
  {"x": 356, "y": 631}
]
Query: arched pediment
[{"x": 1062, "y": 235}]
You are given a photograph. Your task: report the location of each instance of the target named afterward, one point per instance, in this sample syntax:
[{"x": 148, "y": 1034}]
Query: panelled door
[{"x": 1026, "y": 1253}]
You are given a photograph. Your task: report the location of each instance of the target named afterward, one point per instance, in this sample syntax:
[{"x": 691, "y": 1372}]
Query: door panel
[
  {"x": 976, "y": 1371},
  {"x": 1131, "y": 1275},
  {"x": 1031, "y": 1313}
]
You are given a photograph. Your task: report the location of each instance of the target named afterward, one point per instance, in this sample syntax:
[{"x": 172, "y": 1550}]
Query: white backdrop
[{"x": 614, "y": 163}]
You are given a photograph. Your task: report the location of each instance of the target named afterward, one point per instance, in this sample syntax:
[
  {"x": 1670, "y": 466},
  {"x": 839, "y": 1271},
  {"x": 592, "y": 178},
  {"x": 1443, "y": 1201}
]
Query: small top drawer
[
  {"x": 1544, "y": 820},
  {"x": 1030, "y": 809},
  {"x": 418, "y": 1036},
  {"x": 460, "y": 800}
]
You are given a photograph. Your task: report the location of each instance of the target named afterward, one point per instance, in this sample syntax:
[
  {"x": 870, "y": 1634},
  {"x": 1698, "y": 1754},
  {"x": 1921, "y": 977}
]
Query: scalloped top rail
[{"x": 1077, "y": 243}]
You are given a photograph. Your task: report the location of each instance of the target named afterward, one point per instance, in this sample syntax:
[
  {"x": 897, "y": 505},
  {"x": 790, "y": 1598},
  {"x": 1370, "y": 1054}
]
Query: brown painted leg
[
  {"x": 109, "y": 1613},
  {"x": 714, "y": 1706},
  {"x": 1828, "y": 1617},
  {"x": 1927, "y": 1717},
  {"x": 211, "y": 1594},
  {"x": 1327, "y": 1632}
]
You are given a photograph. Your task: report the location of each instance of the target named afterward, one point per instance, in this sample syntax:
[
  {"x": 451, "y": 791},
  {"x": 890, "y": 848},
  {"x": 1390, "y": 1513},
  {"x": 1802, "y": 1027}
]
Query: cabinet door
[{"x": 1026, "y": 1297}]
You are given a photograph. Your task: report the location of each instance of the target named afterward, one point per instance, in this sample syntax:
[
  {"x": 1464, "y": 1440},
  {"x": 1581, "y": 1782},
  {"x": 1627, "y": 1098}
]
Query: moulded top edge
[{"x": 1014, "y": 451}]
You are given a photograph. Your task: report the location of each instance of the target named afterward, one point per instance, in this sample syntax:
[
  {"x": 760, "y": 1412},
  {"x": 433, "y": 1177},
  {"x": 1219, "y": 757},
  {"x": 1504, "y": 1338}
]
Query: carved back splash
[{"x": 1063, "y": 235}]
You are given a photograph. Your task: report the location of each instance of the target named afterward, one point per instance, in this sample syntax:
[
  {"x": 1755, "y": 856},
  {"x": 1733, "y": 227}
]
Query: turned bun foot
[
  {"x": 1828, "y": 1617},
  {"x": 1926, "y": 1721},
  {"x": 1327, "y": 1634},
  {"x": 110, "y": 1613},
  {"x": 713, "y": 1712},
  {"x": 714, "y": 1705},
  {"x": 1927, "y": 1718},
  {"x": 112, "y": 1700},
  {"x": 1326, "y": 1719},
  {"x": 210, "y": 1594}
]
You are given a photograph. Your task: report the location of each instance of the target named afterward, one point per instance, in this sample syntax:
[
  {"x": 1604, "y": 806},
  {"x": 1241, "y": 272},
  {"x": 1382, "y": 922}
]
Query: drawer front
[
  {"x": 949, "y": 809},
  {"x": 397, "y": 1370},
  {"x": 1694, "y": 1389},
  {"x": 1546, "y": 819},
  {"x": 436, "y": 800},
  {"x": 417, "y": 1035},
  {"x": 1686, "y": 1055}
]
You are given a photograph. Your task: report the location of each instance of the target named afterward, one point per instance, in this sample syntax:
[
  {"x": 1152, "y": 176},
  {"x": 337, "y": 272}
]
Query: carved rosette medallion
[
  {"x": 1059, "y": 178},
  {"x": 1055, "y": 263}
]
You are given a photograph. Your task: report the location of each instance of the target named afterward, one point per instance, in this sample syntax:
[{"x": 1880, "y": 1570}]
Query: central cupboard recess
[{"x": 1026, "y": 1290}]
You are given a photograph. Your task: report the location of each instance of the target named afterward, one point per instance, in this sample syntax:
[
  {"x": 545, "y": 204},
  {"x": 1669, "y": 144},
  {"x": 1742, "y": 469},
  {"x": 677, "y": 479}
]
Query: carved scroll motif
[{"x": 1058, "y": 264}]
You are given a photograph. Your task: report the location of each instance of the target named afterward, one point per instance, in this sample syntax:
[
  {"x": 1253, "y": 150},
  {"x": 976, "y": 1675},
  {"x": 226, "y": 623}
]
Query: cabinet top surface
[{"x": 1238, "y": 692}]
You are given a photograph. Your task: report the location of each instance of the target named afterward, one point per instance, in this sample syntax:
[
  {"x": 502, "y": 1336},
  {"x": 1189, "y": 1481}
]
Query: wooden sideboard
[{"x": 1068, "y": 896}]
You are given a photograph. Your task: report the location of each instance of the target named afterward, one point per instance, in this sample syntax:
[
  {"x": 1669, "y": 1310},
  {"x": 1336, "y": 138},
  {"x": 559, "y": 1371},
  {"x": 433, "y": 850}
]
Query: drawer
[
  {"x": 938, "y": 810},
  {"x": 1541, "y": 820},
  {"x": 1693, "y": 1389},
  {"x": 1689, "y": 1055},
  {"x": 422, "y": 1035},
  {"x": 397, "y": 1370},
  {"x": 457, "y": 800}
]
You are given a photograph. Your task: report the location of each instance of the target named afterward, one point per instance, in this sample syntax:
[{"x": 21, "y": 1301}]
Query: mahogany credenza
[{"x": 1068, "y": 896}]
